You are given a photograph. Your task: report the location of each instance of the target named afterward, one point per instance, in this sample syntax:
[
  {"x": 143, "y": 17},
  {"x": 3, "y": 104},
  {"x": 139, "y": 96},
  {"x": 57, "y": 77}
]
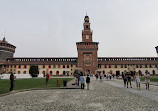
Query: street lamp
[{"x": 156, "y": 49}]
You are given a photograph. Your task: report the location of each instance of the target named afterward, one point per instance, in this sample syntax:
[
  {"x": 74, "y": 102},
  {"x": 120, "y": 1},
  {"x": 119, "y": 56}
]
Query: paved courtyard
[{"x": 106, "y": 95}]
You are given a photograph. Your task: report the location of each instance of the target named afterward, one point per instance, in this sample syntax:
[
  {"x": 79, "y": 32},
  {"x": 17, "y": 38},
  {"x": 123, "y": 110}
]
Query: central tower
[{"x": 87, "y": 50}]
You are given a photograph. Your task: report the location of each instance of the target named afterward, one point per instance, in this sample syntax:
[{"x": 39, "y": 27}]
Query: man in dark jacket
[
  {"x": 87, "y": 81},
  {"x": 11, "y": 81}
]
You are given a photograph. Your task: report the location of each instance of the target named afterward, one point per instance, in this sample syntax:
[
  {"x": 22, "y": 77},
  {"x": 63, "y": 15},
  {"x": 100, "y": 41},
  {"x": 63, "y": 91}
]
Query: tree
[{"x": 34, "y": 71}]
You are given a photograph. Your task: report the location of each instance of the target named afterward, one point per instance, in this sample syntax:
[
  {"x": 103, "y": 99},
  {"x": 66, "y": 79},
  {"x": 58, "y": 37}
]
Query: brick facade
[{"x": 87, "y": 50}]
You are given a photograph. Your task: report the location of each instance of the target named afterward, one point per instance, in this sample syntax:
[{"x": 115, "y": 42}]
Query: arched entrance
[{"x": 87, "y": 71}]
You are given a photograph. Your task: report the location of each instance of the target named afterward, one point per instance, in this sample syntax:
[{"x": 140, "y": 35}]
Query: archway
[{"x": 87, "y": 71}]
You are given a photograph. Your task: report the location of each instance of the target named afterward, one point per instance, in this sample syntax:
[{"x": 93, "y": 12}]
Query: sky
[{"x": 51, "y": 28}]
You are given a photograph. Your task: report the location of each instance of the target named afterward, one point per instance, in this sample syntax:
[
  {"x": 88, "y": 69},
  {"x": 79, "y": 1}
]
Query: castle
[{"x": 87, "y": 60}]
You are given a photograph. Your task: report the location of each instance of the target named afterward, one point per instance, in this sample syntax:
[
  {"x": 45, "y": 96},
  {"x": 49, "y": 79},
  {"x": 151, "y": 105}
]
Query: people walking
[
  {"x": 47, "y": 78},
  {"x": 100, "y": 75},
  {"x": 107, "y": 76},
  {"x": 96, "y": 76},
  {"x": 129, "y": 80},
  {"x": 12, "y": 79},
  {"x": 147, "y": 80},
  {"x": 124, "y": 77},
  {"x": 137, "y": 78},
  {"x": 88, "y": 81},
  {"x": 82, "y": 81}
]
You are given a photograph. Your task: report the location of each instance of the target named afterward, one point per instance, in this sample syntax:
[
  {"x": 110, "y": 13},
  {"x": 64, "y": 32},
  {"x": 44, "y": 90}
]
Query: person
[
  {"x": 12, "y": 79},
  {"x": 47, "y": 78},
  {"x": 110, "y": 76},
  {"x": 129, "y": 80},
  {"x": 124, "y": 77},
  {"x": 82, "y": 80},
  {"x": 96, "y": 76},
  {"x": 107, "y": 76},
  {"x": 100, "y": 75},
  {"x": 87, "y": 81},
  {"x": 113, "y": 75},
  {"x": 104, "y": 76},
  {"x": 137, "y": 78},
  {"x": 147, "y": 80}
]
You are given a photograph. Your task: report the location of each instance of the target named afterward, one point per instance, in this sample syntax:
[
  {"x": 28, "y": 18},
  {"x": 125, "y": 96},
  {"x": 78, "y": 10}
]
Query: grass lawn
[
  {"x": 20, "y": 84},
  {"x": 152, "y": 78}
]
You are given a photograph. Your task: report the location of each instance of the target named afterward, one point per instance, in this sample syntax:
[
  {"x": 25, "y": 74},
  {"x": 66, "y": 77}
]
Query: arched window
[
  {"x": 18, "y": 72},
  {"x": 57, "y": 73},
  {"x": 146, "y": 72},
  {"x": 24, "y": 72},
  {"x": 51, "y": 72},
  {"x": 140, "y": 72},
  {"x": 153, "y": 71},
  {"x": 64, "y": 73}
]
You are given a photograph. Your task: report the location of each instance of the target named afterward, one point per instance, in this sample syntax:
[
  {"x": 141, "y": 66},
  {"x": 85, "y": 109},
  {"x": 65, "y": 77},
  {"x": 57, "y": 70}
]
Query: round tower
[{"x": 6, "y": 50}]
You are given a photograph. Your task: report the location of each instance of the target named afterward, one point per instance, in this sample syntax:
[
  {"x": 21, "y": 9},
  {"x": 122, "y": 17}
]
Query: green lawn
[
  {"x": 152, "y": 78},
  {"x": 20, "y": 84}
]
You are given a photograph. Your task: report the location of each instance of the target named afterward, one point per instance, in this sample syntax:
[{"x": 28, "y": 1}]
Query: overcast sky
[{"x": 51, "y": 28}]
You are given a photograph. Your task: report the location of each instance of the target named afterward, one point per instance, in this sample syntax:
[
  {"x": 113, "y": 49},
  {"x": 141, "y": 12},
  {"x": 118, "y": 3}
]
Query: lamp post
[{"x": 156, "y": 49}]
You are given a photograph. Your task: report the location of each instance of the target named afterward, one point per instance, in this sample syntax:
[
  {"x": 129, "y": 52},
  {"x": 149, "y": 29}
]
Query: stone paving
[{"x": 102, "y": 96}]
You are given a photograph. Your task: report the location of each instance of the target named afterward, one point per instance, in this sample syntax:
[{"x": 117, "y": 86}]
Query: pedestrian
[
  {"x": 107, "y": 76},
  {"x": 137, "y": 78},
  {"x": 124, "y": 77},
  {"x": 110, "y": 76},
  {"x": 57, "y": 81},
  {"x": 47, "y": 78},
  {"x": 96, "y": 76},
  {"x": 100, "y": 75},
  {"x": 129, "y": 80},
  {"x": 88, "y": 81},
  {"x": 104, "y": 76},
  {"x": 147, "y": 80},
  {"x": 113, "y": 75},
  {"x": 82, "y": 80},
  {"x": 12, "y": 79}
]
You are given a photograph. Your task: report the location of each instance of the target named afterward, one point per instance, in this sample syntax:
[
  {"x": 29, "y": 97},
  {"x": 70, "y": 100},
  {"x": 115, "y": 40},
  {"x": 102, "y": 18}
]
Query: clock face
[{"x": 87, "y": 36}]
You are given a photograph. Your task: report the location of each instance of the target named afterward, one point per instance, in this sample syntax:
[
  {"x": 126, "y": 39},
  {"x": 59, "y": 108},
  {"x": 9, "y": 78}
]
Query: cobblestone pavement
[{"x": 101, "y": 96}]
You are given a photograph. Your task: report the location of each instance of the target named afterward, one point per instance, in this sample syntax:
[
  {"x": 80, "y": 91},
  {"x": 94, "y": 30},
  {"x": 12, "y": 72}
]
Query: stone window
[
  {"x": 57, "y": 73},
  {"x": 121, "y": 66},
  {"x": 24, "y": 72},
  {"x": 19, "y": 66},
  {"x": 115, "y": 66},
  {"x": 49, "y": 66},
  {"x": 44, "y": 72},
  {"x": 24, "y": 66},
  {"x": 146, "y": 66},
  {"x": 150, "y": 66},
  {"x": 64, "y": 73},
  {"x": 58, "y": 66},
  {"x": 63, "y": 66},
  {"x": 109, "y": 66},
  {"x": 156, "y": 66},
  {"x": 18, "y": 72},
  {"x": 99, "y": 66},
  {"x": 153, "y": 71},
  {"x": 105, "y": 66},
  {"x": 43, "y": 66},
  {"x": 67, "y": 66},
  {"x": 140, "y": 66},
  {"x": 125, "y": 66}
]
